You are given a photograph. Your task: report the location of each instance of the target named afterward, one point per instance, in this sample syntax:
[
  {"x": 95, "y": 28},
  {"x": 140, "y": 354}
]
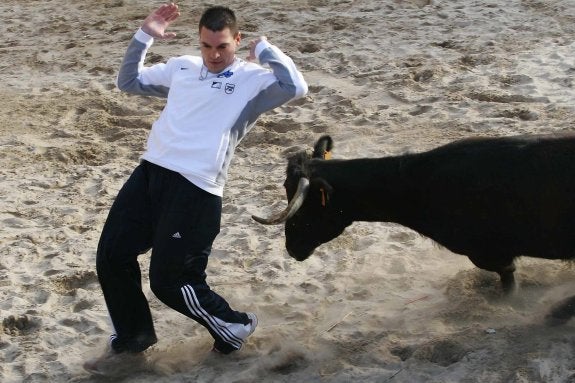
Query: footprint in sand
[
  {"x": 442, "y": 352},
  {"x": 68, "y": 284},
  {"x": 19, "y": 325}
]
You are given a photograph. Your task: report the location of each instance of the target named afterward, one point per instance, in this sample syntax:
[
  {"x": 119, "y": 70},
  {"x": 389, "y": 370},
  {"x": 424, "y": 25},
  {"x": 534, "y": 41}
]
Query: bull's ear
[{"x": 323, "y": 147}]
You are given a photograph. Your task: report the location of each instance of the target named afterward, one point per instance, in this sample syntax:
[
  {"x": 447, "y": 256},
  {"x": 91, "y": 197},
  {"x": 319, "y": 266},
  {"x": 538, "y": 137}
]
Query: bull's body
[{"x": 491, "y": 199}]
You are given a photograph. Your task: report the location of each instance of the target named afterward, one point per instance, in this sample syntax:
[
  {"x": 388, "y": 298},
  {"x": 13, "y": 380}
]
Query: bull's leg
[
  {"x": 507, "y": 276},
  {"x": 503, "y": 266}
]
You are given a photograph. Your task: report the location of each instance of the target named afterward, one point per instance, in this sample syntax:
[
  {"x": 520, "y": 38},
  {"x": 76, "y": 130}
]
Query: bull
[{"x": 491, "y": 199}]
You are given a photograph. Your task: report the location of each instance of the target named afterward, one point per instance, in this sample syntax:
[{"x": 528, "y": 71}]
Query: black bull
[{"x": 491, "y": 199}]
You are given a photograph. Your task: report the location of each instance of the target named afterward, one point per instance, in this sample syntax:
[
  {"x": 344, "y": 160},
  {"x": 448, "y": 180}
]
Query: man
[{"x": 172, "y": 201}]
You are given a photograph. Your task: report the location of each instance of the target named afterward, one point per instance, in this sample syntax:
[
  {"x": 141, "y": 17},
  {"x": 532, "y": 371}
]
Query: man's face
[{"x": 218, "y": 48}]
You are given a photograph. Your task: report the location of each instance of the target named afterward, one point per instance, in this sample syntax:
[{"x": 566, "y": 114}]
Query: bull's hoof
[{"x": 561, "y": 312}]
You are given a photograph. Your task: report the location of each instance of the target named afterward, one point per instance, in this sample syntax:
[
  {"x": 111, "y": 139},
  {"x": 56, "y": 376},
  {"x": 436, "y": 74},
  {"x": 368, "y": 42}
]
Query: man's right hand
[{"x": 158, "y": 21}]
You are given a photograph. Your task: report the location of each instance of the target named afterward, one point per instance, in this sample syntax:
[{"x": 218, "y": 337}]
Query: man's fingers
[
  {"x": 168, "y": 12},
  {"x": 155, "y": 24},
  {"x": 172, "y": 17},
  {"x": 163, "y": 10}
]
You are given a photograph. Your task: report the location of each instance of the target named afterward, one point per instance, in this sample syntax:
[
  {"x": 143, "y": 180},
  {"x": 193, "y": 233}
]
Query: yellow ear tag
[{"x": 327, "y": 155}]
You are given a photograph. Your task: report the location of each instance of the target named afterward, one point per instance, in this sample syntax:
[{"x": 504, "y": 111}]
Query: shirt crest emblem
[{"x": 230, "y": 88}]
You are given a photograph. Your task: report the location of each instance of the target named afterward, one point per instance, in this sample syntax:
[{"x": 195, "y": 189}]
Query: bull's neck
[{"x": 366, "y": 189}]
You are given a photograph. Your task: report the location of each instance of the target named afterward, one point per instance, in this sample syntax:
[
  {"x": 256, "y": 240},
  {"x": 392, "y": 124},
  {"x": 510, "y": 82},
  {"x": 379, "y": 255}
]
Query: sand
[{"x": 380, "y": 303}]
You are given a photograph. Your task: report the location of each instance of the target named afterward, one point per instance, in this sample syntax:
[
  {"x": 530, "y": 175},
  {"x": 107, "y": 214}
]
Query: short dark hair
[{"x": 218, "y": 18}]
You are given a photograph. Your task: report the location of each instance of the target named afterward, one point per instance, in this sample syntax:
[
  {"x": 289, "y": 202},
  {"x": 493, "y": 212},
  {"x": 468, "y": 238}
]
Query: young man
[{"x": 172, "y": 201}]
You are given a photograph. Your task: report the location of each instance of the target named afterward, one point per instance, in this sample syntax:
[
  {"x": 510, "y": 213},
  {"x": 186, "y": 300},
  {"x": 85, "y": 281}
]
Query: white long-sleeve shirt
[{"x": 206, "y": 114}]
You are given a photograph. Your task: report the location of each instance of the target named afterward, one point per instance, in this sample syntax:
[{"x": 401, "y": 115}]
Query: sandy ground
[{"x": 380, "y": 303}]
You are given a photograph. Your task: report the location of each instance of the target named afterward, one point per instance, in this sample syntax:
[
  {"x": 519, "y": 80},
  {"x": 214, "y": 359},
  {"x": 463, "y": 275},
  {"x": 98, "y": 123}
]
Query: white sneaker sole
[{"x": 254, "y": 323}]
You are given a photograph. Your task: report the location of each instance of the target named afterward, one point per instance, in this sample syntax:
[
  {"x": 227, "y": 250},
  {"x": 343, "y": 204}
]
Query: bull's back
[{"x": 513, "y": 195}]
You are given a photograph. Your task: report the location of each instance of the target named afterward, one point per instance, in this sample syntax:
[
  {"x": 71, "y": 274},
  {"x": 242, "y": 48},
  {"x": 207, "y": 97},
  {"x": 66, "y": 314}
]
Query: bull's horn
[{"x": 291, "y": 209}]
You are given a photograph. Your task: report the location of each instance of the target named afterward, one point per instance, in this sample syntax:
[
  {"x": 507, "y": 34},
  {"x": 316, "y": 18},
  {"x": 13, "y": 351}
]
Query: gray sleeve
[
  {"x": 129, "y": 75},
  {"x": 290, "y": 83}
]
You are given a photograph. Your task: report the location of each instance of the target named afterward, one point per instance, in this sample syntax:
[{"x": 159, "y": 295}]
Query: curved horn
[{"x": 291, "y": 209}]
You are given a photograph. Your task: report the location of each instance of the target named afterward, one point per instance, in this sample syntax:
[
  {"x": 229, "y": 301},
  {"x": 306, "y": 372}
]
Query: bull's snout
[
  {"x": 298, "y": 256},
  {"x": 300, "y": 251}
]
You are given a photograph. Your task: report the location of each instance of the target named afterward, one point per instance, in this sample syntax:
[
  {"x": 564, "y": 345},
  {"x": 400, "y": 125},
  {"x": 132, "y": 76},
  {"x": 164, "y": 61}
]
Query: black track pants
[{"x": 159, "y": 209}]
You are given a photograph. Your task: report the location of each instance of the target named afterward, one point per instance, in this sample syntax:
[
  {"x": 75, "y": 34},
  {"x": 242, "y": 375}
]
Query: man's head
[{"x": 219, "y": 38}]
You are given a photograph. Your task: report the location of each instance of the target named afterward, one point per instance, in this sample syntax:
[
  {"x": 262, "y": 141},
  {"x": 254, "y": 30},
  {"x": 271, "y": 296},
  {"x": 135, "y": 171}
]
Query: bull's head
[{"x": 310, "y": 218}]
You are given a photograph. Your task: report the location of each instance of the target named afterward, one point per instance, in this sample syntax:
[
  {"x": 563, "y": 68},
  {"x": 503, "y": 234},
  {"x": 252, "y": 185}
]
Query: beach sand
[{"x": 381, "y": 302}]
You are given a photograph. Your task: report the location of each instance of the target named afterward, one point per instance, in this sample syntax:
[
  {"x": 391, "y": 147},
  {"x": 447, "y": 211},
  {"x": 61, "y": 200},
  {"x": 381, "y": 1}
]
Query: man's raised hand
[
  {"x": 252, "y": 46},
  {"x": 158, "y": 21}
]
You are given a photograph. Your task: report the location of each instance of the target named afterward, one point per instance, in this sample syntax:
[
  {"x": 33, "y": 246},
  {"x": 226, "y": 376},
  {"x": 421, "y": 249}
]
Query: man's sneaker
[
  {"x": 224, "y": 348},
  {"x": 113, "y": 364},
  {"x": 253, "y": 323}
]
